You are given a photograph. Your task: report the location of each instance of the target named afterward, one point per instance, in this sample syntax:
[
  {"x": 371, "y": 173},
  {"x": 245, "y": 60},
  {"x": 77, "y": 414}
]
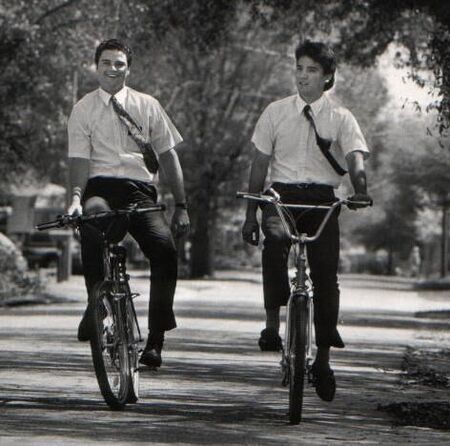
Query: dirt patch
[
  {"x": 434, "y": 415},
  {"x": 424, "y": 368},
  {"x": 427, "y": 367}
]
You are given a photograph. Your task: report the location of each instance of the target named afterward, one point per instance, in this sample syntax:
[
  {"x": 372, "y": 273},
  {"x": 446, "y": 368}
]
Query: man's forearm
[
  {"x": 359, "y": 182},
  {"x": 258, "y": 173},
  {"x": 357, "y": 173},
  {"x": 170, "y": 164},
  {"x": 79, "y": 174}
]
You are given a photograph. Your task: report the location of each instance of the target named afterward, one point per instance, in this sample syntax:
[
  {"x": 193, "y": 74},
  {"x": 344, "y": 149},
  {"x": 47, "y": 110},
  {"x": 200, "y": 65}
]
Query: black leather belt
[{"x": 310, "y": 186}]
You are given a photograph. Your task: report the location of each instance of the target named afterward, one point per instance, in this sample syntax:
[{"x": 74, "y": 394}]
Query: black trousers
[
  {"x": 150, "y": 230},
  {"x": 323, "y": 257}
]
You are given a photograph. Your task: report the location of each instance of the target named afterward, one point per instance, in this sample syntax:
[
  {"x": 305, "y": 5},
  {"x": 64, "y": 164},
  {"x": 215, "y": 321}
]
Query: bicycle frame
[
  {"x": 114, "y": 261},
  {"x": 119, "y": 339},
  {"x": 300, "y": 285},
  {"x": 297, "y": 353}
]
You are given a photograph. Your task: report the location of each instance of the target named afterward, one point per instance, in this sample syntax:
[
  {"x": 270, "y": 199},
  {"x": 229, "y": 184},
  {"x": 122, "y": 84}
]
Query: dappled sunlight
[{"x": 214, "y": 383}]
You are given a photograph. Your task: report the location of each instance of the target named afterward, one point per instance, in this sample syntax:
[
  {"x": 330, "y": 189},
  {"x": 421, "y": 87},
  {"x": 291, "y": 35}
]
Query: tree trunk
[
  {"x": 390, "y": 265},
  {"x": 444, "y": 240},
  {"x": 202, "y": 259}
]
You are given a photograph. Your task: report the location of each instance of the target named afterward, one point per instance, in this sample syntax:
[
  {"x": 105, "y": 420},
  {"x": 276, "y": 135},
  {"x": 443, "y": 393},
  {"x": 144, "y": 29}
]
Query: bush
[
  {"x": 15, "y": 280},
  {"x": 363, "y": 263}
]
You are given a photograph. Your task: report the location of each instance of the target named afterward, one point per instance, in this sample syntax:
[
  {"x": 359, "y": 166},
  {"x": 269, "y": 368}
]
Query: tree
[
  {"x": 216, "y": 69},
  {"x": 42, "y": 41},
  {"x": 362, "y": 30},
  {"x": 223, "y": 80},
  {"x": 213, "y": 64},
  {"x": 413, "y": 177}
]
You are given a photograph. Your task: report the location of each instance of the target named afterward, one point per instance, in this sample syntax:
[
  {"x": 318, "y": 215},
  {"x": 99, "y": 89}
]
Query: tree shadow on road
[{"x": 215, "y": 387}]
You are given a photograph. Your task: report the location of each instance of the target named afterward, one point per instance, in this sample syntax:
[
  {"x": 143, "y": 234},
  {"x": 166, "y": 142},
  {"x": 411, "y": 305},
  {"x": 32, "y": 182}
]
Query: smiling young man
[
  {"x": 118, "y": 137},
  {"x": 306, "y": 140}
]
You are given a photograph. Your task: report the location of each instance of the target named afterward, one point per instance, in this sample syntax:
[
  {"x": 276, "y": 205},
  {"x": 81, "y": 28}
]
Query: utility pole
[{"x": 444, "y": 236}]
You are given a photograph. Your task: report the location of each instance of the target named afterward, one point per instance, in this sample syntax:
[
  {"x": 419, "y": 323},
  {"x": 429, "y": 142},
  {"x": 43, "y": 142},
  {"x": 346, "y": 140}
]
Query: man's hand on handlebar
[
  {"x": 358, "y": 201},
  {"x": 250, "y": 231},
  {"x": 75, "y": 207}
]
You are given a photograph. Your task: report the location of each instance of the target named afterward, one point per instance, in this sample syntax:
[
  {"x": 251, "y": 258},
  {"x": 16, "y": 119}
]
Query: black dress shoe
[
  {"x": 84, "y": 329},
  {"x": 151, "y": 356},
  {"x": 324, "y": 382},
  {"x": 337, "y": 341},
  {"x": 270, "y": 340}
]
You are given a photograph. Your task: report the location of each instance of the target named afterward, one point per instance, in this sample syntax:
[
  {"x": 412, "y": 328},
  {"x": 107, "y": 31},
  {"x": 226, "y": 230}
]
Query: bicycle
[
  {"x": 296, "y": 354},
  {"x": 116, "y": 336}
]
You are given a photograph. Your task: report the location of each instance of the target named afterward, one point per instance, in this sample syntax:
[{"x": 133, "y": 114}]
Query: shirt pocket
[{"x": 100, "y": 133}]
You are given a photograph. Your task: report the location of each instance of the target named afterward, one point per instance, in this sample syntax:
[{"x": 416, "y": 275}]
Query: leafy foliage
[
  {"x": 214, "y": 64},
  {"x": 14, "y": 278}
]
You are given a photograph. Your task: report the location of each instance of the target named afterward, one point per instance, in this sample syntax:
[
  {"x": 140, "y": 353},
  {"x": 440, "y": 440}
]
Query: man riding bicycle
[
  {"x": 305, "y": 139},
  {"x": 118, "y": 137}
]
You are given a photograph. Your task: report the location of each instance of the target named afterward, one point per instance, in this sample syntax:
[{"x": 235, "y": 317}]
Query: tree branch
[{"x": 56, "y": 9}]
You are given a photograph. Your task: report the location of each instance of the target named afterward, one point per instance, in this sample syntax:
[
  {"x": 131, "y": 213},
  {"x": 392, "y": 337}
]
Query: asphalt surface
[{"x": 215, "y": 386}]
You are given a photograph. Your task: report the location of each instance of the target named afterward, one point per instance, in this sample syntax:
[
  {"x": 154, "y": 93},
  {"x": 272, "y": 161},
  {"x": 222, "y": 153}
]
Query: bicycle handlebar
[
  {"x": 275, "y": 199},
  {"x": 78, "y": 220}
]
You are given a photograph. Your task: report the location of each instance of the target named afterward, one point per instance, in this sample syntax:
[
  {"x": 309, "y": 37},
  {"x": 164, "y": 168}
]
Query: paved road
[{"x": 215, "y": 386}]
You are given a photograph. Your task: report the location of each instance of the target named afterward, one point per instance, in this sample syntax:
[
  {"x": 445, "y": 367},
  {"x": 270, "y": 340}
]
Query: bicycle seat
[{"x": 116, "y": 228}]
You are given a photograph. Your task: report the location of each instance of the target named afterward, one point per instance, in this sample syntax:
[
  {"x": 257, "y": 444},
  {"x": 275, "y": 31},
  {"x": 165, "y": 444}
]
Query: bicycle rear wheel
[
  {"x": 109, "y": 347},
  {"x": 297, "y": 357}
]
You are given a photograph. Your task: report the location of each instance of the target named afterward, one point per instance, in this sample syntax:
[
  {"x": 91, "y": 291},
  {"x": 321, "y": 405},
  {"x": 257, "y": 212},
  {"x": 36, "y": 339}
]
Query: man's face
[
  {"x": 112, "y": 70},
  {"x": 310, "y": 78}
]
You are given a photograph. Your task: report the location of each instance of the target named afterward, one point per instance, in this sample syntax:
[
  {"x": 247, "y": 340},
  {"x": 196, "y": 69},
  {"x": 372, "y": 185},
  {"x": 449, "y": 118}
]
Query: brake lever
[{"x": 275, "y": 194}]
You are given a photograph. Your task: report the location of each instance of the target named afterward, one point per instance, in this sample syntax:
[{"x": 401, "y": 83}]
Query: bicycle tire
[
  {"x": 109, "y": 347},
  {"x": 133, "y": 336},
  {"x": 297, "y": 360}
]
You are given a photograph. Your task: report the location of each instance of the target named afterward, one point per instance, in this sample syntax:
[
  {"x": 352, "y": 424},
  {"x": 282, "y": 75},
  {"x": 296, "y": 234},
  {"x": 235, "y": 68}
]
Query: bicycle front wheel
[
  {"x": 297, "y": 356},
  {"x": 134, "y": 337},
  {"x": 109, "y": 346}
]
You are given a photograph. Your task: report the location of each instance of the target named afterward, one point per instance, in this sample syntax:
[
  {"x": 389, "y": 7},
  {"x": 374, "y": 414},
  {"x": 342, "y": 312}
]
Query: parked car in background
[{"x": 41, "y": 250}]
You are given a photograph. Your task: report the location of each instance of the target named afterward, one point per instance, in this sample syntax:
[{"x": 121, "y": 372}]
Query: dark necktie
[
  {"x": 324, "y": 144},
  {"x": 135, "y": 132}
]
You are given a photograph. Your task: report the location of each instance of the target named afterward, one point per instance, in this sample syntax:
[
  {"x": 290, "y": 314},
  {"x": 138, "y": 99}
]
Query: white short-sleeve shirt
[
  {"x": 96, "y": 133},
  {"x": 284, "y": 133}
]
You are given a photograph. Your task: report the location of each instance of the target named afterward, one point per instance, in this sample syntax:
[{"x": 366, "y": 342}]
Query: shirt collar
[
  {"x": 316, "y": 106},
  {"x": 120, "y": 96}
]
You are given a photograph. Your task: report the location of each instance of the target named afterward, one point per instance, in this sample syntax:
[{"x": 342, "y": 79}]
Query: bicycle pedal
[{"x": 134, "y": 295}]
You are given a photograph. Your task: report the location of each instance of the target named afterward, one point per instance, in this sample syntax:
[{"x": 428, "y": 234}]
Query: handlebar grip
[
  {"x": 60, "y": 222},
  {"x": 49, "y": 225},
  {"x": 349, "y": 202},
  {"x": 241, "y": 194}
]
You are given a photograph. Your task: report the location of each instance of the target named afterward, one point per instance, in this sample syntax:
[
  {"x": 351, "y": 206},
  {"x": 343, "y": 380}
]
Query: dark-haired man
[
  {"x": 307, "y": 140},
  {"x": 118, "y": 137}
]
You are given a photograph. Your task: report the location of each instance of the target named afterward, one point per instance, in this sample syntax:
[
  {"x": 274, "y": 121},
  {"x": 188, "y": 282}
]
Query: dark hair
[
  {"x": 320, "y": 53},
  {"x": 113, "y": 44}
]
